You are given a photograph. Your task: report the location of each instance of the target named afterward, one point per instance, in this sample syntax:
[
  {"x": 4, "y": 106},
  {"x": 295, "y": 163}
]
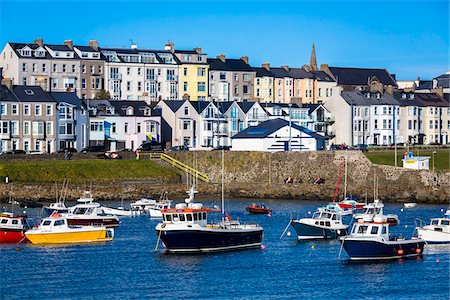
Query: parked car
[
  {"x": 338, "y": 147},
  {"x": 362, "y": 147},
  {"x": 179, "y": 148},
  {"x": 125, "y": 150},
  {"x": 150, "y": 146},
  {"x": 70, "y": 149},
  {"x": 221, "y": 148},
  {"x": 94, "y": 149},
  {"x": 16, "y": 151}
]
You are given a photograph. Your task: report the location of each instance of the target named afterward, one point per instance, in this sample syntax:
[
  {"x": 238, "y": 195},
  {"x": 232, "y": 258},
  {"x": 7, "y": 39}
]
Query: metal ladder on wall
[{"x": 180, "y": 166}]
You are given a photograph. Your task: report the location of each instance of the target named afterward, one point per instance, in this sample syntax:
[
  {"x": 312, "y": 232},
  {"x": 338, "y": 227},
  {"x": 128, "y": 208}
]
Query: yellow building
[
  {"x": 263, "y": 90},
  {"x": 193, "y": 74}
]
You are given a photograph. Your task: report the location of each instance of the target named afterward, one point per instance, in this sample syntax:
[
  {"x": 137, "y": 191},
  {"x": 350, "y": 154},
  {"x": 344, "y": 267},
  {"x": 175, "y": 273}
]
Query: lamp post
[
  {"x": 433, "y": 153},
  {"x": 290, "y": 127}
]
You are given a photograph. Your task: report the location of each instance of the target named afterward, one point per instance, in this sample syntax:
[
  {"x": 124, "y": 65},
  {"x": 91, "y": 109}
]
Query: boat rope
[
  {"x": 342, "y": 246},
  {"x": 159, "y": 238},
  {"x": 290, "y": 221}
]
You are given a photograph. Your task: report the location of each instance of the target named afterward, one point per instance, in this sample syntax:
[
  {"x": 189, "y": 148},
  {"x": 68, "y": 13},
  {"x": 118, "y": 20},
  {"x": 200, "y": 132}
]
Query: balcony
[
  {"x": 216, "y": 117},
  {"x": 150, "y": 78},
  {"x": 115, "y": 76},
  {"x": 172, "y": 78},
  {"x": 257, "y": 117},
  {"x": 67, "y": 137},
  {"x": 331, "y": 134},
  {"x": 5, "y": 136}
]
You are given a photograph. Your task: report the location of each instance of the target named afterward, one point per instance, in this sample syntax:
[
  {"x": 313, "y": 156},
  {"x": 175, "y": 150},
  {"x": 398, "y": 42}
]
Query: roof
[
  {"x": 245, "y": 105},
  {"x": 200, "y": 106},
  {"x": 268, "y": 127},
  {"x": 59, "y": 47},
  {"x": 138, "y": 51},
  {"x": 420, "y": 99},
  {"x": 261, "y": 72},
  {"x": 25, "y": 93},
  {"x": 7, "y": 95},
  {"x": 425, "y": 85},
  {"x": 17, "y": 46},
  {"x": 237, "y": 65},
  {"x": 443, "y": 80},
  {"x": 359, "y": 98},
  {"x": 67, "y": 97},
  {"x": 361, "y": 76},
  {"x": 223, "y": 106},
  {"x": 279, "y": 72},
  {"x": 322, "y": 76},
  {"x": 174, "y": 105},
  {"x": 311, "y": 107},
  {"x": 120, "y": 107},
  {"x": 299, "y": 73},
  {"x": 86, "y": 49}
]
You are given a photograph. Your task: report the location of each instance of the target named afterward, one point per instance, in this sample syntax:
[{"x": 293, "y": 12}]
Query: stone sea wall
[{"x": 263, "y": 175}]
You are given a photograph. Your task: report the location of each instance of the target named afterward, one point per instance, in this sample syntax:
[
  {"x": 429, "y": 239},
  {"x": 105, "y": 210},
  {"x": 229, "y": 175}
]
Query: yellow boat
[{"x": 54, "y": 230}]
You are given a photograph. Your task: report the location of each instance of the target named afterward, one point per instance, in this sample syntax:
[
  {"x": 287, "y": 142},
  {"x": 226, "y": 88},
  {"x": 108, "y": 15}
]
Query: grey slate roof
[
  {"x": 361, "y": 76},
  {"x": 299, "y": 73},
  {"x": 443, "y": 80},
  {"x": 200, "y": 106},
  {"x": 322, "y": 76},
  {"x": 359, "y": 98},
  {"x": 311, "y": 107},
  {"x": 137, "y": 51},
  {"x": 120, "y": 107},
  {"x": 237, "y": 65},
  {"x": 279, "y": 72},
  {"x": 59, "y": 47},
  {"x": 7, "y": 95},
  {"x": 174, "y": 105},
  {"x": 270, "y": 126},
  {"x": 245, "y": 105},
  {"x": 425, "y": 85},
  {"x": 223, "y": 106},
  {"x": 260, "y": 72},
  {"x": 86, "y": 49},
  {"x": 37, "y": 94},
  {"x": 68, "y": 97},
  {"x": 18, "y": 46}
]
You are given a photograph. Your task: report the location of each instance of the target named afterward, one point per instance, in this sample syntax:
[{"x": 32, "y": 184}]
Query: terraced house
[{"x": 28, "y": 119}]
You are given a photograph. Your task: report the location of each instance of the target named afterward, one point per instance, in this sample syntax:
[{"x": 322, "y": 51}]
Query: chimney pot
[
  {"x": 286, "y": 68},
  {"x": 7, "y": 82},
  {"x": 39, "y": 41},
  {"x": 169, "y": 47},
  {"x": 198, "y": 50},
  {"x": 266, "y": 66},
  {"x": 245, "y": 59},
  {"x": 93, "y": 44},
  {"x": 221, "y": 57},
  {"x": 69, "y": 43}
]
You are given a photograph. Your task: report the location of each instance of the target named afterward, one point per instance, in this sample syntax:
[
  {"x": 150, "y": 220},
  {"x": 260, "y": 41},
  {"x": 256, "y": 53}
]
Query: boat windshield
[
  {"x": 434, "y": 222},
  {"x": 83, "y": 211},
  {"x": 445, "y": 222},
  {"x": 46, "y": 222}
]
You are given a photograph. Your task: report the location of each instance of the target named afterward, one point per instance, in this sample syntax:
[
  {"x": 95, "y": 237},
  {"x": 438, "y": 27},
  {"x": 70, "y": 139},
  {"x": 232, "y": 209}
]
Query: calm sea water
[{"x": 128, "y": 267}]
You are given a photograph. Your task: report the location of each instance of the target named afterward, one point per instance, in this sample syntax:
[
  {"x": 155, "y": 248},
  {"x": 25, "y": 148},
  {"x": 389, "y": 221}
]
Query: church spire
[{"x": 313, "y": 62}]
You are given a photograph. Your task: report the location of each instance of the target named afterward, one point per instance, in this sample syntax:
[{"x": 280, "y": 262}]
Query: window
[
  {"x": 24, "y": 67},
  {"x": 246, "y": 77},
  {"x": 38, "y": 127},
  {"x": 431, "y": 124},
  {"x": 37, "y": 109},
  {"x": 186, "y": 111},
  {"x": 24, "y": 81},
  {"x": 138, "y": 128},
  {"x": 26, "y": 127},
  {"x": 362, "y": 229},
  {"x": 26, "y": 109},
  {"x": 245, "y": 89},
  {"x": 185, "y": 71},
  {"x": 185, "y": 86},
  {"x": 73, "y": 69},
  {"x": 128, "y": 71},
  {"x": 113, "y": 128},
  {"x": 320, "y": 92},
  {"x": 187, "y": 125},
  {"x": 186, "y": 141},
  {"x": 375, "y": 125},
  {"x": 384, "y": 124},
  {"x": 374, "y": 230},
  {"x": 49, "y": 128},
  {"x": 4, "y": 127},
  {"x": 92, "y": 69},
  {"x": 125, "y": 128},
  {"x": 64, "y": 67},
  {"x": 34, "y": 67},
  {"x": 201, "y": 71},
  {"x": 139, "y": 87},
  {"x": 83, "y": 68},
  {"x": 409, "y": 124},
  {"x": 44, "y": 68},
  {"x": 3, "y": 109},
  {"x": 14, "y": 127},
  {"x": 83, "y": 83},
  {"x": 139, "y": 71},
  {"x": 100, "y": 69},
  {"x": 201, "y": 86},
  {"x": 49, "y": 110},
  {"x": 26, "y": 145},
  {"x": 128, "y": 85},
  {"x": 375, "y": 110},
  {"x": 222, "y": 76},
  {"x": 55, "y": 68},
  {"x": 14, "y": 109},
  {"x": 96, "y": 126}
]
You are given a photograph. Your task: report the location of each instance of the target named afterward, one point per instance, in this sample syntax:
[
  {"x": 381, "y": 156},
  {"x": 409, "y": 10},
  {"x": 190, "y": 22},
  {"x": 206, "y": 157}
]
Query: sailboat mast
[
  {"x": 223, "y": 172},
  {"x": 345, "y": 178}
]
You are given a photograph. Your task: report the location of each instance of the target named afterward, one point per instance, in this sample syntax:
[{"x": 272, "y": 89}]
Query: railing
[
  {"x": 117, "y": 76},
  {"x": 180, "y": 166}
]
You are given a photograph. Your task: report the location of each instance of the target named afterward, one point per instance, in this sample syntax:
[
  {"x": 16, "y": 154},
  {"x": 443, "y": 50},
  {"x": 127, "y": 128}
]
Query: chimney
[
  {"x": 325, "y": 68},
  {"x": 39, "y": 41},
  {"x": 245, "y": 59},
  {"x": 221, "y": 57},
  {"x": 133, "y": 45},
  {"x": 169, "y": 47},
  {"x": 266, "y": 66},
  {"x": 198, "y": 50},
  {"x": 7, "y": 82},
  {"x": 286, "y": 68},
  {"x": 69, "y": 43},
  {"x": 93, "y": 44}
]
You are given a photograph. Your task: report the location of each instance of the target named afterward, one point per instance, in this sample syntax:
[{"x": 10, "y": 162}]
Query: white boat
[
  {"x": 121, "y": 211},
  {"x": 374, "y": 209},
  {"x": 437, "y": 232},
  {"x": 410, "y": 205},
  {"x": 326, "y": 223},
  {"x": 151, "y": 206},
  {"x": 58, "y": 207}
]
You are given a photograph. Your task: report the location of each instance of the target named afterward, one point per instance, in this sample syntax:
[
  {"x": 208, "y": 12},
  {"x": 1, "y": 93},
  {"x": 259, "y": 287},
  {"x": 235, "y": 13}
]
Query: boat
[
  {"x": 58, "y": 207},
  {"x": 57, "y": 230},
  {"x": 349, "y": 203},
  {"x": 410, "y": 205},
  {"x": 185, "y": 229},
  {"x": 255, "y": 209},
  {"x": 151, "y": 206},
  {"x": 121, "y": 211},
  {"x": 88, "y": 212},
  {"x": 372, "y": 241},
  {"x": 437, "y": 232},
  {"x": 326, "y": 223},
  {"x": 12, "y": 228},
  {"x": 374, "y": 209}
]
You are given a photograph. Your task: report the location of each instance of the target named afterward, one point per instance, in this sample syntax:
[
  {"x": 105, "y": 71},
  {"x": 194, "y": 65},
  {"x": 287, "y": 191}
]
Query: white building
[{"x": 276, "y": 135}]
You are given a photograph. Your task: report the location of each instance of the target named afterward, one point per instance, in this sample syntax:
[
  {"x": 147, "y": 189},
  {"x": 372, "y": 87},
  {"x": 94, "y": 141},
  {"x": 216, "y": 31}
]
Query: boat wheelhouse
[
  {"x": 437, "y": 232},
  {"x": 373, "y": 241},
  {"x": 326, "y": 223},
  {"x": 90, "y": 213},
  {"x": 376, "y": 209}
]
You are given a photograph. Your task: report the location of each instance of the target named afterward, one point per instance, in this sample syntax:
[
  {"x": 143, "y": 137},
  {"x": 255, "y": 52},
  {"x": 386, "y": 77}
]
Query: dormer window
[
  {"x": 26, "y": 52},
  {"x": 378, "y": 95},
  {"x": 368, "y": 95},
  {"x": 29, "y": 92},
  {"x": 57, "y": 53},
  {"x": 130, "y": 111},
  {"x": 110, "y": 110},
  {"x": 84, "y": 55},
  {"x": 403, "y": 96},
  {"x": 39, "y": 53},
  {"x": 95, "y": 55},
  {"x": 147, "y": 111},
  {"x": 411, "y": 96}
]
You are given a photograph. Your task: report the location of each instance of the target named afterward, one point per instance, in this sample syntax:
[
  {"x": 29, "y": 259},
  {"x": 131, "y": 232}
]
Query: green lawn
[
  {"x": 82, "y": 171},
  {"x": 387, "y": 157}
]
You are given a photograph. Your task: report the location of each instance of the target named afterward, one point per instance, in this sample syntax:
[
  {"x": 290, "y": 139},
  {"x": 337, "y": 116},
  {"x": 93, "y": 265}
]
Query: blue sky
[{"x": 409, "y": 38}]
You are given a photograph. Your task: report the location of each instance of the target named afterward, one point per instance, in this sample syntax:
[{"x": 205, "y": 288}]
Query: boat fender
[
  {"x": 418, "y": 250},
  {"x": 400, "y": 251}
]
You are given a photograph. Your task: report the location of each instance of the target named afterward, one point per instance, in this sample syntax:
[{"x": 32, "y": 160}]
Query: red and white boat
[
  {"x": 351, "y": 204},
  {"x": 12, "y": 228},
  {"x": 255, "y": 209}
]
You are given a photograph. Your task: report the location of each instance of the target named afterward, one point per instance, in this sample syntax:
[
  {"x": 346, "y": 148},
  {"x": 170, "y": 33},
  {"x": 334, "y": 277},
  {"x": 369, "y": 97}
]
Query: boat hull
[
  {"x": 306, "y": 231},
  {"x": 108, "y": 222},
  {"x": 433, "y": 237},
  {"x": 8, "y": 236},
  {"x": 376, "y": 250},
  {"x": 68, "y": 237},
  {"x": 258, "y": 210},
  {"x": 210, "y": 240}
]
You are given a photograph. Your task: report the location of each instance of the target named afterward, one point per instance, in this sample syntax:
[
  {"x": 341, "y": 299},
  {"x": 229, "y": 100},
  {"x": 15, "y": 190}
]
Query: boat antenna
[{"x": 223, "y": 201}]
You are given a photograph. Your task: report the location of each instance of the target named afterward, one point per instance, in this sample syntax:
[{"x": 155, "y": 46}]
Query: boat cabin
[
  {"x": 10, "y": 222},
  {"x": 50, "y": 223},
  {"x": 192, "y": 214},
  {"x": 440, "y": 222},
  {"x": 88, "y": 209},
  {"x": 370, "y": 230},
  {"x": 326, "y": 217}
]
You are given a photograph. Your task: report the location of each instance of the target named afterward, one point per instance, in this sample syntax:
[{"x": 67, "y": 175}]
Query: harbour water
[{"x": 128, "y": 267}]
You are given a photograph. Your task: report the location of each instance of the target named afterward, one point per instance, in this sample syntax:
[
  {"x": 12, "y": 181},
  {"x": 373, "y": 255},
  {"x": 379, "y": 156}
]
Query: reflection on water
[{"x": 128, "y": 267}]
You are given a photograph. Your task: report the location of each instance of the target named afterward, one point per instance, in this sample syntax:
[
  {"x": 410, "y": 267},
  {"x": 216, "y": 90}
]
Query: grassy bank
[
  {"x": 82, "y": 171},
  {"x": 387, "y": 157}
]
